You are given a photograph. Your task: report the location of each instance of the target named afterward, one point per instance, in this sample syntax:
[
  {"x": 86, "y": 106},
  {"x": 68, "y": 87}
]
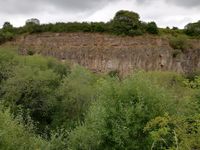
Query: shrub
[
  {"x": 7, "y": 63},
  {"x": 7, "y": 27},
  {"x": 117, "y": 118},
  {"x": 172, "y": 132},
  {"x": 14, "y": 135},
  {"x": 31, "y": 90},
  {"x": 152, "y": 28},
  {"x": 126, "y": 23},
  {"x": 2, "y": 38},
  {"x": 114, "y": 73},
  {"x": 29, "y": 84},
  {"x": 179, "y": 42},
  {"x": 193, "y": 29},
  {"x": 6, "y": 36},
  {"x": 75, "y": 95}
]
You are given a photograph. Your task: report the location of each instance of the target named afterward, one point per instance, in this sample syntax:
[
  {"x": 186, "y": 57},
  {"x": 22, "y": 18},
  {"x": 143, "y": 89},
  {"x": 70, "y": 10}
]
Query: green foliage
[
  {"x": 195, "y": 83},
  {"x": 58, "y": 140},
  {"x": 63, "y": 107},
  {"x": 162, "y": 133},
  {"x": 152, "y": 28},
  {"x": 175, "y": 28},
  {"x": 126, "y": 23},
  {"x": 32, "y": 28},
  {"x": 2, "y": 38},
  {"x": 75, "y": 95},
  {"x": 7, "y": 27},
  {"x": 179, "y": 43},
  {"x": 116, "y": 120},
  {"x": 193, "y": 29},
  {"x": 172, "y": 132},
  {"x": 171, "y": 32},
  {"x": 7, "y": 62},
  {"x": 114, "y": 73},
  {"x": 6, "y": 36},
  {"x": 65, "y": 27},
  {"x": 31, "y": 90},
  {"x": 7, "y": 33},
  {"x": 13, "y": 135},
  {"x": 39, "y": 62},
  {"x": 29, "y": 84}
]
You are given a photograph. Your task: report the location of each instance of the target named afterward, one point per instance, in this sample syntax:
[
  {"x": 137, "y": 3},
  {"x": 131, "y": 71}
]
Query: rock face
[{"x": 104, "y": 53}]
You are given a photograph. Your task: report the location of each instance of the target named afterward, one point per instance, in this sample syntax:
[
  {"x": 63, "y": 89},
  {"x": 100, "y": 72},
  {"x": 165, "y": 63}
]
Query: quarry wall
[{"x": 104, "y": 52}]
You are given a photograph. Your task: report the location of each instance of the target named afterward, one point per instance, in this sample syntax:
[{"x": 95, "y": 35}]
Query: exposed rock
[{"x": 104, "y": 53}]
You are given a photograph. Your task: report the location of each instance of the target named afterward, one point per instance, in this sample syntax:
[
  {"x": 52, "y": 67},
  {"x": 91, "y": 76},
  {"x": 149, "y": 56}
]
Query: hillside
[
  {"x": 124, "y": 44},
  {"x": 121, "y": 85},
  {"x": 49, "y": 105},
  {"x": 105, "y": 52}
]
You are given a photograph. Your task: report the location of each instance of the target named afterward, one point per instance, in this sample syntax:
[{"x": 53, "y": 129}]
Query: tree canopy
[{"x": 193, "y": 29}]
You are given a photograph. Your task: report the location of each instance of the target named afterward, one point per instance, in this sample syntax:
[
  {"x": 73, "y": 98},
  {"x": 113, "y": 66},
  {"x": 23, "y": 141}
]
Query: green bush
[
  {"x": 114, "y": 73},
  {"x": 152, "y": 28},
  {"x": 72, "y": 108},
  {"x": 179, "y": 43},
  {"x": 171, "y": 132},
  {"x": 29, "y": 84},
  {"x": 75, "y": 95},
  {"x": 193, "y": 29},
  {"x": 6, "y": 36},
  {"x": 7, "y": 63},
  {"x": 32, "y": 91},
  {"x": 126, "y": 23},
  {"x": 117, "y": 119},
  {"x": 13, "y": 135}
]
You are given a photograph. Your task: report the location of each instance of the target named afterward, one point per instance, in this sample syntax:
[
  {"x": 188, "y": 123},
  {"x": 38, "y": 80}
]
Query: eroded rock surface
[{"x": 104, "y": 53}]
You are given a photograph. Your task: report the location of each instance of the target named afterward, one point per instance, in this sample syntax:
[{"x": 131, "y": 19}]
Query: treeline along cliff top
[{"x": 123, "y": 23}]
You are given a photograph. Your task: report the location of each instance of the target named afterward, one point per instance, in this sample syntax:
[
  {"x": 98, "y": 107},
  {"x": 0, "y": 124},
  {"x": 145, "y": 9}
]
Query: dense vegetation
[
  {"x": 193, "y": 29},
  {"x": 49, "y": 105},
  {"x": 46, "y": 104},
  {"x": 123, "y": 23}
]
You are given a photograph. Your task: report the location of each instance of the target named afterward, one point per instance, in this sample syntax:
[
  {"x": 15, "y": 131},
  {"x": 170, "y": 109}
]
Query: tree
[
  {"x": 126, "y": 23},
  {"x": 31, "y": 27},
  {"x": 33, "y": 20},
  {"x": 179, "y": 43},
  {"x": 15, "y": 135},
  {"x": 7, "y": 32},
  {"x": 175, "y": 28},
  {"x": 152, "y": 28},
  {"x": 75, "y": 95},
  {"x": 31, "y": 91},
  {"x": 7, "y": 26},
  {"x": 193, "y": 29}
]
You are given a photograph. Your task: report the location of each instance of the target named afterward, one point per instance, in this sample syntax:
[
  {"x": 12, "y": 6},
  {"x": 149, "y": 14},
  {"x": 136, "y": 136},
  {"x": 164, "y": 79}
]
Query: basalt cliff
[{"x": 104, "y": 52}]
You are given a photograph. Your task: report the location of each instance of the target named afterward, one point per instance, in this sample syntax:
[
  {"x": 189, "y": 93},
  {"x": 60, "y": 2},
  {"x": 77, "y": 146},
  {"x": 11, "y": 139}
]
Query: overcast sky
[{"x": 163, "y": 12}]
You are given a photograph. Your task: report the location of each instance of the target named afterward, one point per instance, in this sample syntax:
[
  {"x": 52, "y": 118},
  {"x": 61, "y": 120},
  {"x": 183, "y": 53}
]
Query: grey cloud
[
  {"x": 182, "y": 3},
  {"x": 32, "y": 6},
  {"x": 186, "y": 3},
  {"x": 35, "y": 6}
]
